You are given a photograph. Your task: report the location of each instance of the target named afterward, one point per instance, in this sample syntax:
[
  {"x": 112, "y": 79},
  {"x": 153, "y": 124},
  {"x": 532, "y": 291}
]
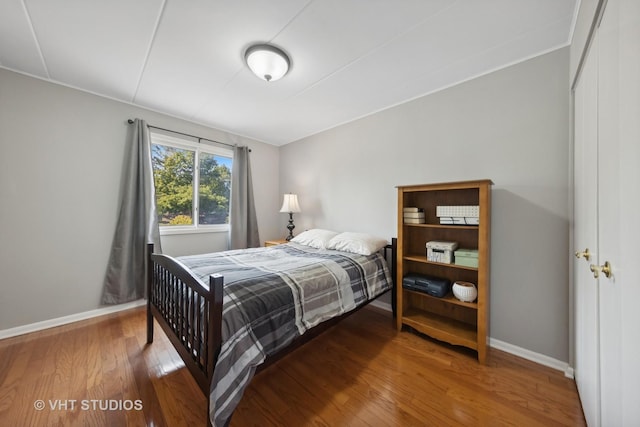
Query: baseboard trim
[
  {"x": 511, "y": 349},
  {"x": 52, "y": 323},
  {"x": 495, "y": 343},
  {"x": 569, "y": 373},
  {"x": 382, "y": 305},
  {"x": 532, "y": 356}
]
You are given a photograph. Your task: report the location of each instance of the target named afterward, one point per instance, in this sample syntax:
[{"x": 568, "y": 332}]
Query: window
[{"x": 193, "y": 183}]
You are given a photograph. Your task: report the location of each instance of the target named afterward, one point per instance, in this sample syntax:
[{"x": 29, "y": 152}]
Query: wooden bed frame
[{"x": 174, "y": 296}]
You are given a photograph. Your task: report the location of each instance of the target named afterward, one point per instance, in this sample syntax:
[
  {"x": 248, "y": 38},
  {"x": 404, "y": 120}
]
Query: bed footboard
[{"x": 188, "y": 312}]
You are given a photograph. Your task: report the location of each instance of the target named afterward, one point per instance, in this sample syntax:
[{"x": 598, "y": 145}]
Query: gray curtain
[
  {"x": 243, "y": 230},
  {"x": 137, "y": 222}
]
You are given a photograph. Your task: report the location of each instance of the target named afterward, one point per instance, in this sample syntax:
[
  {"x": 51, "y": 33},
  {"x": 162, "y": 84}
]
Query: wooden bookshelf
[{"x": 447, "y": 319}]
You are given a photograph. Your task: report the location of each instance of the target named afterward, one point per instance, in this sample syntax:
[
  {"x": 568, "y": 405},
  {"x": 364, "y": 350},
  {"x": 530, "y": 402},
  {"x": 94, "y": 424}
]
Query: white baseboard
[
  {"x": 511, "y": 349},
  {"x": 383, "y": 305},
  {"x": 46, "y": 324},
  {"x": 569, "y": 373},
  {"x": 500, "y": 345},
  {"x": 533, "y": 356}
]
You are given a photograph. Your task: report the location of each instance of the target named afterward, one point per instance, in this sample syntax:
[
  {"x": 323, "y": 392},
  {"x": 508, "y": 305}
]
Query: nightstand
[{"x": 274, "y": 242}]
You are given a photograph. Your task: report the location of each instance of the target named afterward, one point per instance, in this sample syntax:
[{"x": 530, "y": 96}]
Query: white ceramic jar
[{"x": 465, "y": 291}]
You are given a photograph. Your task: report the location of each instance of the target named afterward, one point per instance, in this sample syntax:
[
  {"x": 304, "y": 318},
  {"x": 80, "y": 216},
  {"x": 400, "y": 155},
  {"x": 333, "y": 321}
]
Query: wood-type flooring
[{"x": 362, "y": 372}]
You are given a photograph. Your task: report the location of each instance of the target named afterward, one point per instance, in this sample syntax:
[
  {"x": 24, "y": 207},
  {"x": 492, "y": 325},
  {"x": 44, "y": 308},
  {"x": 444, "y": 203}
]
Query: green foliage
[
  {"x": 173, "y": 171},
  {"x": 181, "y": 220},
  {"x": 214, "y": 191}
]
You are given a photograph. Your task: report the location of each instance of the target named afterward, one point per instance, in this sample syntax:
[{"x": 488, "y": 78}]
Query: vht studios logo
[{"x": 88, "y": 405}]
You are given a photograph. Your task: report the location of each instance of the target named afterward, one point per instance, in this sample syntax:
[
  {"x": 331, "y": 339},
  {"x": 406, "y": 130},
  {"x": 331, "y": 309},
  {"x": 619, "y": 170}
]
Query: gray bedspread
[{"x": 273, "y": 295}]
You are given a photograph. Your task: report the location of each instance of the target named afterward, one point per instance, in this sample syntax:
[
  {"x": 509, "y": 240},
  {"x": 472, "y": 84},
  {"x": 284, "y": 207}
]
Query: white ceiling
[{"x": 350, "y": 57}]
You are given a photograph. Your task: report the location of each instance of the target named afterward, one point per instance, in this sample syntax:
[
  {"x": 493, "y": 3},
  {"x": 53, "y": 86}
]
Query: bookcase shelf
[
  {"x": 447, "y": 319},
  {"x": 449, "y": 298},
  {"x": 453, "y": 227},
  {"x": 442, "y": 328},
  {"x": 423, "y": 259}
]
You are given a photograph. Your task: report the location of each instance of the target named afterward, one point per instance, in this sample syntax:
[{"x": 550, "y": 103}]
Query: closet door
[
  {"x": 619, "y": 204},
  {"x": 609, "y": 214},
  {"x": 587, "y": 363},
  {"x": 607, "y": 210},
  {"x": 628, "y": 270}
]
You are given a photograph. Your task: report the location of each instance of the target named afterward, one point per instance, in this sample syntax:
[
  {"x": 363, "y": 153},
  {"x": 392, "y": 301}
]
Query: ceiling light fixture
[{"x": 267, "y": 62}]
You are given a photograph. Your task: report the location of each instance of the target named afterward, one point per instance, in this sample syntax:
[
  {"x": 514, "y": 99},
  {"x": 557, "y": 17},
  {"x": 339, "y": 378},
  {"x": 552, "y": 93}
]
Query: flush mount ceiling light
[{"x": 267, "y": 62}]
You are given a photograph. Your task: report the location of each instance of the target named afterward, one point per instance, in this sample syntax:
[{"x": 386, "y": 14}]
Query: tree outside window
[{"x": 183, "y": 190}]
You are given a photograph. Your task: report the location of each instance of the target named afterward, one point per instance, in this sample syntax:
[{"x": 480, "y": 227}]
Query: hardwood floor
[{"x": 361, "y": 372}]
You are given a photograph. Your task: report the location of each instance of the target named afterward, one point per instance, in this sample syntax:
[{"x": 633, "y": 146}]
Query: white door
[
  {"x": 609, "y": 200},
  {"x": 607, "y": 173},
  {"x": 587, "y": 363},
  {"x": 619, "y": 204},
  {"x": 627, "y": 266}
]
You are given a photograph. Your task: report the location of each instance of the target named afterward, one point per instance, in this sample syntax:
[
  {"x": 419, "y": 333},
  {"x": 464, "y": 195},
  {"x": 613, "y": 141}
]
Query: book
[
  {"x": 414, "y": 221},
  {"x": 413, "y": 214},
  {"x": 412, "y": 209},
  {"x": 457, "y": 220}
]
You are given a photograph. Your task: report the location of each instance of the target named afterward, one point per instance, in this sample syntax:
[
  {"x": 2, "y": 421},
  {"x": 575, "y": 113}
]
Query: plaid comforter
[{"x": 273, "y": 295}]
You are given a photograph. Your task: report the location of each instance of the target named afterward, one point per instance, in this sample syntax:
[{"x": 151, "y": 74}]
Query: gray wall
[
  {"x": 60, "y": 170},
  {"x": 63, "y": 152},
  {"x": 511, "y": 126}
]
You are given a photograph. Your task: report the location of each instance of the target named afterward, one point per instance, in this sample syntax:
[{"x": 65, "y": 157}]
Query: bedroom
[{"x": 500, "y": 125}]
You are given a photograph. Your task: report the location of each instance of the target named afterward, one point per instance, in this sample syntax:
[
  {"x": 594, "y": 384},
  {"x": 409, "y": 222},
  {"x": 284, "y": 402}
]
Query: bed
[{"x": 230, "y": 314}]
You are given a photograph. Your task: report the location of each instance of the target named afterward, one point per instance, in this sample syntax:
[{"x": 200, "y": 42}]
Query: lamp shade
[
  {"x": 267, "y": 62},
  {"x": 290, "y": 204}
]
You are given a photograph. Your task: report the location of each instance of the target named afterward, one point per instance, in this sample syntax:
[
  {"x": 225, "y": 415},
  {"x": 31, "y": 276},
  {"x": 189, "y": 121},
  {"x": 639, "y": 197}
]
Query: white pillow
[
  {"x": 316, "y": 238},
  {"x": 359, "y": 243}
]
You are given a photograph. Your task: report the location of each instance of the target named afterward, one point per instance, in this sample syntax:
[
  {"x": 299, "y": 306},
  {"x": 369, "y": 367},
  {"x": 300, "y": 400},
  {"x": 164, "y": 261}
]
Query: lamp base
[{"x": 290, "y": 227}]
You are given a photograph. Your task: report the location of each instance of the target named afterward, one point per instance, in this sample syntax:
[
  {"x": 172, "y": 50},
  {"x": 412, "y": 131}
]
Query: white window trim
[
  {"x": 185, "y": 143},
  {"x": 186, "y": 229}
]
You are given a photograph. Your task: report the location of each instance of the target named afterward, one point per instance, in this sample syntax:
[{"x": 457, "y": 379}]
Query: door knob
[
  {"x": 584, "y": 254},
  {"x": 597, "y": 269}
]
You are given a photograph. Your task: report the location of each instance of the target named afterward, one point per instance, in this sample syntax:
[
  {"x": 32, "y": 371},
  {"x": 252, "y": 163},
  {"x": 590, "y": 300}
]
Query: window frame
[{"x": 186, "y": 143}]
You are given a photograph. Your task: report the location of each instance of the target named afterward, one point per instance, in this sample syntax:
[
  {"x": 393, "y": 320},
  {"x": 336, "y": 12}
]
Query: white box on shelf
[
  {"x": 438, "y": 251},
  {"x": 458, "y": 211}
]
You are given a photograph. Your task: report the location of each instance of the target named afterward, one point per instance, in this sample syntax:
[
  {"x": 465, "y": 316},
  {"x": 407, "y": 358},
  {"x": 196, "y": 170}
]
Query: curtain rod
[{"x": 130, "y": 121}]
